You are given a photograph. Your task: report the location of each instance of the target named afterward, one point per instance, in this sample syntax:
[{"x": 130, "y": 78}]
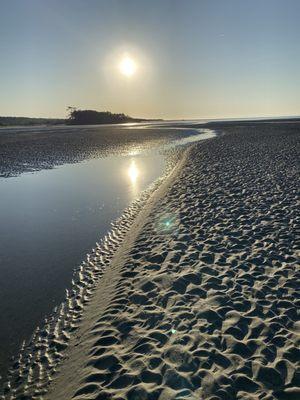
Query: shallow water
[{"x": 49, "y": 220}]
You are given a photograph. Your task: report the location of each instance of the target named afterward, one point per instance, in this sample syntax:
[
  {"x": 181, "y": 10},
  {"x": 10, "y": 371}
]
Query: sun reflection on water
[
  {"x": 134, "y": 152},
  {"x": 133, "y": 172}
]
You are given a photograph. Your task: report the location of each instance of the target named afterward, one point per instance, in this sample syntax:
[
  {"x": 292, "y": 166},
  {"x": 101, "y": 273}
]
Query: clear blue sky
[{"x": 195, "y": 58}]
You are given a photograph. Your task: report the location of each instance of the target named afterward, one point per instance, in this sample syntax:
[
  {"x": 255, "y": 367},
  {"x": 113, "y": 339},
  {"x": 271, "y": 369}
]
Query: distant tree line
[
  {"x": 74, "y": 117},
  {"x": 92, "y": 117},
  {"x": 26, "y": 121}
]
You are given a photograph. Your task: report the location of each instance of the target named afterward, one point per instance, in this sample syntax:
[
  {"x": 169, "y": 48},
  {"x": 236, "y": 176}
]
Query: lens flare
[{"x": 168, "y": 223}]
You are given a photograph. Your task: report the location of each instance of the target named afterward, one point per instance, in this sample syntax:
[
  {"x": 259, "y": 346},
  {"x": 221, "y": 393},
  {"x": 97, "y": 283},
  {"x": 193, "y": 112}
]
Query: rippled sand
[{"x": 200, "y": 300}]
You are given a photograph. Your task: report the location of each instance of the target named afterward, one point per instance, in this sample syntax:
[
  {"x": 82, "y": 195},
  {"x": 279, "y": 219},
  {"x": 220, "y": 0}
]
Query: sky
[{"x": 194, "y": 58}]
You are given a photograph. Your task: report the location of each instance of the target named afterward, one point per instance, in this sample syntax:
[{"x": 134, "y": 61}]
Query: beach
[
  {"x": 61, "y": 187},
  {"x": 30, "y": 149},
  {"x": 195, "y": 292}
]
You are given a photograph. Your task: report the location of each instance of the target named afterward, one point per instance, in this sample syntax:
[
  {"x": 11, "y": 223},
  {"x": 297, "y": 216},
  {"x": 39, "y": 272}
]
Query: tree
[{"x": 91, "y": 117}]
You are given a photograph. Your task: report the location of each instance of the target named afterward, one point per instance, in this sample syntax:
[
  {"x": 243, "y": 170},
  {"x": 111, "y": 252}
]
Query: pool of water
[{"x": 49, "y": 221}]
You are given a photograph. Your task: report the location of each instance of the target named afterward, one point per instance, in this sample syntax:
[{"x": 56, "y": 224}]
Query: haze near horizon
[{"x": 159, "y": 59}]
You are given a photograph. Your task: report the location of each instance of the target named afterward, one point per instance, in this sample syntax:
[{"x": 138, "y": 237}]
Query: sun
[{"x": 127, "y": 66}]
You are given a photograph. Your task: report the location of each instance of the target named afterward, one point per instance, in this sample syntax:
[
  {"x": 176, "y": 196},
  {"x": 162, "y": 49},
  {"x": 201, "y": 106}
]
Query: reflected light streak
[
  {"x": 133, "y": 172},
  {"x": 134, "y": 152}
]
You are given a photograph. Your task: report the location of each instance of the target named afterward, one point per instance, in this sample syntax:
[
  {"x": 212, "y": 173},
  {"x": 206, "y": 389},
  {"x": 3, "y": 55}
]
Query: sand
[
  {"x": 27, "y": 149},
  {"x": 200, "y": 300}
]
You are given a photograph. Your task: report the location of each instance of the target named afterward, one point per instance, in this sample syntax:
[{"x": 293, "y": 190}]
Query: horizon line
[{"x": 170, "y": 118}]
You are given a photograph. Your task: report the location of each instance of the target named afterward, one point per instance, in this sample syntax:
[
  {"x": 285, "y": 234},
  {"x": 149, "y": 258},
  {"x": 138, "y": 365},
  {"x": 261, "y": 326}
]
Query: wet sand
[
  {"x": 195, "y": 293},
  {"x": 27, "y": 149}
]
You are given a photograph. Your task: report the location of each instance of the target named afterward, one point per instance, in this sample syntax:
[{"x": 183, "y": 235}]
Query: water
[{"x": 49, "y": 220}]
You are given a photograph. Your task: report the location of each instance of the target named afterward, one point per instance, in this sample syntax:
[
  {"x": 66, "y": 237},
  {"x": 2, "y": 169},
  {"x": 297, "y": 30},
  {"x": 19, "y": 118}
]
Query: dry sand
[{"x": 200, "y": 301}]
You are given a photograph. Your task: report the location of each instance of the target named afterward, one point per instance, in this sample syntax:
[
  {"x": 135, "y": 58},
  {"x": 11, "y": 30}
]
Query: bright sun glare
[
  {"x": 133, "y": 172},
  {"x": 127, "y": 66}
]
